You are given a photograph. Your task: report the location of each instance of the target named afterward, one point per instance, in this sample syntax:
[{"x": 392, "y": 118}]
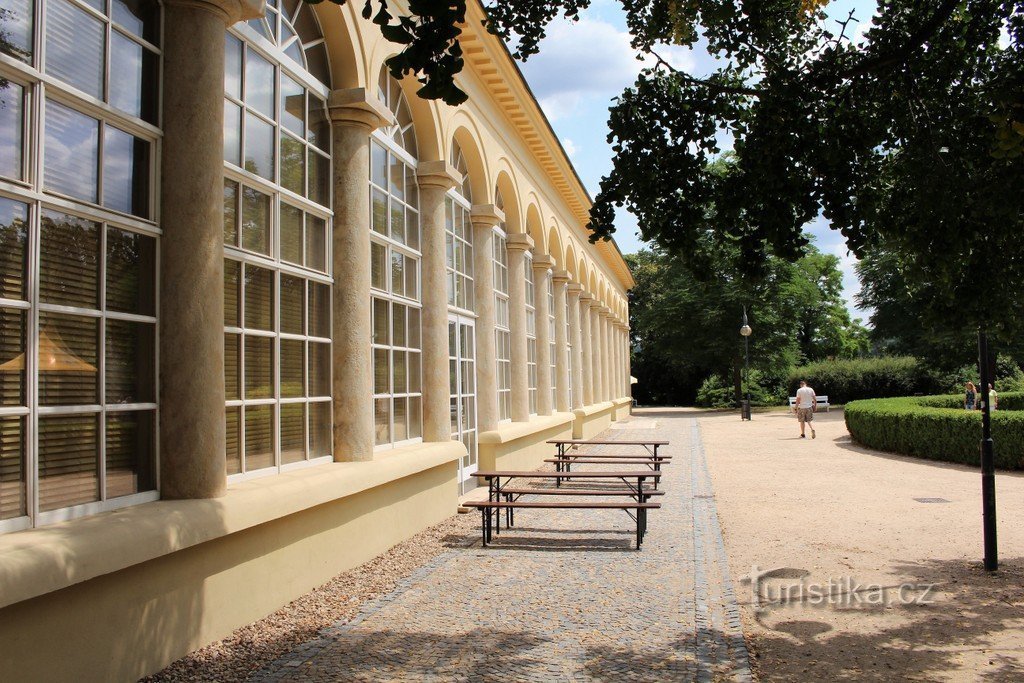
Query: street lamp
[{"x": 745, "y": 332}]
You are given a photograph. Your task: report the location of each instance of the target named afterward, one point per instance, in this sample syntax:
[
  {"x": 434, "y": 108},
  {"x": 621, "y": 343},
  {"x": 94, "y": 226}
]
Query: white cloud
[
  {"x": 569, "y": 146},
  {"x": 589, "y": 58}
]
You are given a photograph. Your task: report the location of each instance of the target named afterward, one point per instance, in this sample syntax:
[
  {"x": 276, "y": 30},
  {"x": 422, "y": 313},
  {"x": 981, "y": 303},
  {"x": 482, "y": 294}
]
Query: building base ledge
[
  {"x": 39, "y": 561},
  {"x": 594, "y": 409},
  {"x": 508, "y": 432},
  {"x": 621, "y": 401}
]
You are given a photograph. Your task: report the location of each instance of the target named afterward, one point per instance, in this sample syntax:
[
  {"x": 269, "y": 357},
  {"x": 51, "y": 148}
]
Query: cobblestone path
[{"x": 561, "y": 596}]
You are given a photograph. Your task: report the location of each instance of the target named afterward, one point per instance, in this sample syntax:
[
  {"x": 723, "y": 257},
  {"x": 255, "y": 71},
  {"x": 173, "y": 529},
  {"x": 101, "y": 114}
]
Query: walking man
[{"x": 806, "y": 402}]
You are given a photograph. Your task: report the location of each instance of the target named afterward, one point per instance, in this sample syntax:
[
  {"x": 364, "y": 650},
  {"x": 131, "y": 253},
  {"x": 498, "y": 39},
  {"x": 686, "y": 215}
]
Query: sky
[{"x": 581, "y": 67}]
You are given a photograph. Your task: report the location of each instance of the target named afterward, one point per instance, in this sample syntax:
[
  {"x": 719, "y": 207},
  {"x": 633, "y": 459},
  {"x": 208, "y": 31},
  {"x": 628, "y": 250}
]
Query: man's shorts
[{"x": 805, "y": 414}]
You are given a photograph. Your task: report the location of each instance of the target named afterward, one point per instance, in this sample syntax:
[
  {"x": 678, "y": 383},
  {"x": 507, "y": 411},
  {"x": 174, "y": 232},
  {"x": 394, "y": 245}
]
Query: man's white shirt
[{"x": 805, "y": 397}]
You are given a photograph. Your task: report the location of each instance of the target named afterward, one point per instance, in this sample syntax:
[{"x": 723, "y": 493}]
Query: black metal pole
[
  {"x": 746, "y": 369},
  {"x": 988, "y": 470}
]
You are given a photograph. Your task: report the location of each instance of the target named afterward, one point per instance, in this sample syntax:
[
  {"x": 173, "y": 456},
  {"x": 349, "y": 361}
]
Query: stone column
[
  {"x": 542, "y": 266},
  {"x": 621, "y": 367},
  {"x": 192, "y": 443},
  {"x": 517, "y": 245},
  {"x": 485, "y": 217},
  {"x": 435, "y": 178},
  {"x": 559, "y": 279},
  {"x": 573, "y": 291},
  {"x": 596, "y": 351},
  {"x": 587, "y": 333},
  {"x": 628, "y": 369},
  {"x": 354, "y": 114},
  {"x": 606, "y": 355}
]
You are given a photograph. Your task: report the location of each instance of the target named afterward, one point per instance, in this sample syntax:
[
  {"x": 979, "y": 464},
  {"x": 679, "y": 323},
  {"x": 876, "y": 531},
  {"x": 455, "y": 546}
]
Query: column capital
[
  {"x": 586, "y": 298},
  {"x": 438, "y": 174},
  {"x": 519, "y": 241},
  {"x": 486, "y": 215},
  {"x": 604, "y": 311},
  {"x": 358, "y": 107},
  {"x": 560, "y": 276},
  {"x": 574, "y": 289},
  {"x": 232, "y": 11},
  {"x": 543, "y": 262}
]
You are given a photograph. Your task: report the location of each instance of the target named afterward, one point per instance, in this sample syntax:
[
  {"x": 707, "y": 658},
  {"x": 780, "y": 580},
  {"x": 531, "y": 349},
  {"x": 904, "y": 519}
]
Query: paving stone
[{"x": 561, "y": 596}]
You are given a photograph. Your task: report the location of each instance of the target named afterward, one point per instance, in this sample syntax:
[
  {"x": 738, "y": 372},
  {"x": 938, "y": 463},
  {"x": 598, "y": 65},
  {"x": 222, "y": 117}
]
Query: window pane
[
  {"x": 414, "y": 328},
  {"x": 398, "y": 327},
  {"x": 255, "y": 220},
  {"x": 233, "y": 66},
  {"x": 397, "y": 177},
  {"x": 401, "y": 417},
  {"x": 133, "y": 77},
  {"x": 18, "y": 28},
  {"x": 232, "y": 371},
  {"x": 397, "y": 221},
  {"x": 291, "y": 234},
  {"x": 138, "y": 16},
  {"x": 293, "y": 106},
  {"x": 13, "y": 489},
  {"x": 232, "y": 299},
  {"x": 72, "y": 152},
  {"x": 397, "y": 273},
  {"x": 378, "y": 165},
  {"x": 259, "y": 367},
  {"x": 319, "y": 177},
  {"x": 319, "y": 131},
  {"x": 293, "y": 368},
  {"x": 259, "y": 146},
  {"x": 378, "y": 266},
  {"x": 293, "y": 432},
  {"x": 68, "y": 262},
  {"x": 259, "y": 437},
  {"x": 68, "y": 359},
  {"x": 415, "y": 417},
  {"x": 319, "y": 310},
  {"x": 319, "y": 369},
  {"x": 233, "y": 430},
  {"x": 293, "y": 304},
  {"x": 125, "y": 172},
  {"x": 259, "y": 83},
  {"x": 382, "y": 420},
  {"x": 319, "y": 429},
  {"x": 74, "y": 47},
  {"x": 13, "y": 248},
  {"x": 68, "y": 461},
  {"x": 131, "y": 367},
  {"x": 316, "y": 243},
  {"x": 131, "y": 455},
  {"x": 232, "y": 133},
  {"x": 414, "y": 373},
  {"x": 259, "y": 298},
  {"x": 12, "y": 101},
  {"x": 230, "y": 213},
  {"x": 411, "y": 286},
  {"x": 380, "y": 211},
  {"x": 412, "y": 229},
  {"x": 381, "y": 322},
  {"x": 398, "y": 362},
  {"x": 293, "y": 164},
  {"x": 12, "y": 357},
  {"x": 381, "y": 372},
  {"x": 131, "y": 272}
]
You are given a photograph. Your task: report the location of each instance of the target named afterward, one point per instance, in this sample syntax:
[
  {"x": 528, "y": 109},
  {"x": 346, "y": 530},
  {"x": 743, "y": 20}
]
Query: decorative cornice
[
  {"x": 486, "y": 215},
  {"x": 358, "y": 107},
  {"x": 438, "y": 174},
  {"x": 519, "y": 241}
]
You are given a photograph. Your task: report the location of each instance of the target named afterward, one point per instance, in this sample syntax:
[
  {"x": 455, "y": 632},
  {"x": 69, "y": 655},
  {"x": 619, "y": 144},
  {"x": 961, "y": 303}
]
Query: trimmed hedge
[
  {"x": 938, "y": 428},
  {"x": 852, "y": 380}
]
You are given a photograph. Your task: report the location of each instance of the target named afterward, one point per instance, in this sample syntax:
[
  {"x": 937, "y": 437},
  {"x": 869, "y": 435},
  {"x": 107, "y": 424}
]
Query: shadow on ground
[{"x": 963, "y": 633}]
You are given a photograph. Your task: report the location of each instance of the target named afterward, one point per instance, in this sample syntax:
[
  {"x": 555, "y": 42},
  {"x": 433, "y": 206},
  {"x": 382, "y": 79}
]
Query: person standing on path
[
  {"x": 970, "y": 395},
  {"x": 806, "y": 403}
]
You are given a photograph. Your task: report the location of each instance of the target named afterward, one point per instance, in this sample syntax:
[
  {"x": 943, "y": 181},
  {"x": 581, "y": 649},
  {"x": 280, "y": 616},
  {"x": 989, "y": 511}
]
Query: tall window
[
  {"x": 277, "y": 236},
  {"x": 459, "y": 237},
  {"x": 78, "y": 256},
  {"x": 550, "y": 287},
  {"x": 569, "y": 354},
  {"x": 502, "y": 335},
  {"x": 395, "y": 274},
  {"x": 531, "y": 336}
]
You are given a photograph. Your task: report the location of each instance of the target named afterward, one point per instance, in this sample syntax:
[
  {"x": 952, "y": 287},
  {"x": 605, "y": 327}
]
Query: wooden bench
[
  {"x": 488, "y": 508},
  {"x": 565, "y": 464},
  {"x": 501, "y": 497},
  {"x": 822, "y": 401},
  {"x": 651, "y": 445}
]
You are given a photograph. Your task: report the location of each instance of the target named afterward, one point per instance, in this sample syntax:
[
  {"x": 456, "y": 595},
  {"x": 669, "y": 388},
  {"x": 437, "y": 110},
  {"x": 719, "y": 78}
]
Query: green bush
[
  {"x": 715, "y": 392},
  {"x": 938, "y": 428},
  {"x": 851, "y": 380}
]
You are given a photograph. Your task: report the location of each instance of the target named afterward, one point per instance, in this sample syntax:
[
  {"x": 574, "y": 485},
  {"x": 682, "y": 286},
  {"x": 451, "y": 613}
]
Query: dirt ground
[{"x": 858, "y": 579}]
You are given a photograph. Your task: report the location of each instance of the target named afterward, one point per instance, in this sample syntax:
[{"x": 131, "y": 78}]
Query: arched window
[
  {"x": 395, "y": 274},
  {"x": 459, "y": 235},
  {"x": 79, "y": 89},
  {"x": 277, "y": 237},
  {"x": 502, "y": 334}
]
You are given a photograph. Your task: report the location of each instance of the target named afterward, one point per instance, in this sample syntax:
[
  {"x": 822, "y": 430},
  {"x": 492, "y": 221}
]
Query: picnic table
[
  {"x": 650, "y": 445},
  {"x": 503, "y": 497}
]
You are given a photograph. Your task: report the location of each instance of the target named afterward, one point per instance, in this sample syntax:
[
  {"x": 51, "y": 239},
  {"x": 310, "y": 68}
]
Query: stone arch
[
  {"x": 569, "y": 261},
  {"x": 554, "y": 243},
  {"x": 534, "y": 226},
  {"x": 583, "y": 273},
  {"x": 506, "y": 185},
  {"x": 469, "y": 142},
  {"x": 345, "y": 49}
]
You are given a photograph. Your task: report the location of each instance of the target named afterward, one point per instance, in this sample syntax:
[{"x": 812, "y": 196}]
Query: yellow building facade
[{"x": 263, "y": 312}]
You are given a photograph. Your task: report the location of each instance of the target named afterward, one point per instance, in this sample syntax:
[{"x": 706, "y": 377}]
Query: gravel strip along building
[{"x": 262, "y": 312}]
